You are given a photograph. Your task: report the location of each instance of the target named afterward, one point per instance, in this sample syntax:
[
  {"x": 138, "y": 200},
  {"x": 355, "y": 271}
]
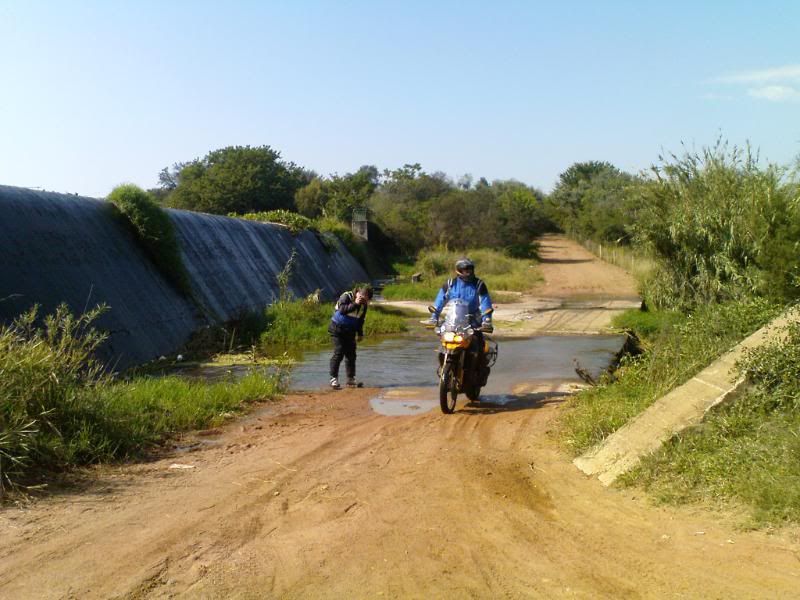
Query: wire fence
[{"x": 620, "y": 256}]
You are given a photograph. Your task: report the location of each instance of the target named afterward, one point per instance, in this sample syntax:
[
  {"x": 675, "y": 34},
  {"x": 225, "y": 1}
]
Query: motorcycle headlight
[
  {"x": 458, "y": 338},
  {"x": 449, "y": 336}
]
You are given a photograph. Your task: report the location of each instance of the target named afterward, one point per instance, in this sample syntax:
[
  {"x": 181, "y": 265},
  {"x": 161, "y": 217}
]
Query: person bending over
[{"x": 346, "y": 328}]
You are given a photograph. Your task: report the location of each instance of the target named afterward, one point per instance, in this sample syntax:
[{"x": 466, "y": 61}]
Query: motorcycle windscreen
[{"x": 456, "y": 314}]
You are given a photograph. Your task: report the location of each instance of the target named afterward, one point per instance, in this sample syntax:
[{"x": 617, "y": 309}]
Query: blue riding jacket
[
  {"x": 473, "y": 291},
  {"x": 348, "y": 317}
]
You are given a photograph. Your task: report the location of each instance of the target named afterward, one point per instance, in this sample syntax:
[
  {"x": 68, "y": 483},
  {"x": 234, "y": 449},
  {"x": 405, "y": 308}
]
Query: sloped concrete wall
[
  {"x": 57, "y": 248},
  {"x": 233, "y": 264}
]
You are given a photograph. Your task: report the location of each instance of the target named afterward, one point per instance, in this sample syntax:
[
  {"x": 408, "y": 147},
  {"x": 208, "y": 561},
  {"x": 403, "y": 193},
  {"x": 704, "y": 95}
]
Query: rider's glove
[{"x": 487, "y": 326}]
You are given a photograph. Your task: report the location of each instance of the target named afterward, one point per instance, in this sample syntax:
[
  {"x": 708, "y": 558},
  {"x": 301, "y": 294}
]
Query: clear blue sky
[{"x": 93, "y": 94}]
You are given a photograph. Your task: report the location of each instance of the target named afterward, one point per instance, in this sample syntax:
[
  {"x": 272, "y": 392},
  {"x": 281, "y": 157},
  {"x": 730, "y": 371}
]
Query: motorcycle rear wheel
[{"x": 448, "y": 390}]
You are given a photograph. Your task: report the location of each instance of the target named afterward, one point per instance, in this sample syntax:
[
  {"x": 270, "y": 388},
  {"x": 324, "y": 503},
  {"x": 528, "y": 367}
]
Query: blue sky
[{"x": 93, "y": 94}]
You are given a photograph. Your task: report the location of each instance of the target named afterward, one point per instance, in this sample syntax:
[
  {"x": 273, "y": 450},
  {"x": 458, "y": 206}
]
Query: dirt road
[
  {"x": 579, "y": 294},
  {"x": 317, "y": 496}
]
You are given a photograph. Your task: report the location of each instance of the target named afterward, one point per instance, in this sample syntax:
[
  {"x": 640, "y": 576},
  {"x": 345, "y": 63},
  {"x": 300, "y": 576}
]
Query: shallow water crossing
[{"x": 528, "y": 372}]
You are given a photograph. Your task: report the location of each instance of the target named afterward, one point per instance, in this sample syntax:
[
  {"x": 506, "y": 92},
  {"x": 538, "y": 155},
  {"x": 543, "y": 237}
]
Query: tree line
[
  {"x": 412, "y": 209},
  {"x": 717, "y": 222}
]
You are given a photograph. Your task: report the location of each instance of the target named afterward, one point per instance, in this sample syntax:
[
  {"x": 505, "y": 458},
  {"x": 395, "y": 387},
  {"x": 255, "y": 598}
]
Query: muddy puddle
[{"x": 527, "y": 372}]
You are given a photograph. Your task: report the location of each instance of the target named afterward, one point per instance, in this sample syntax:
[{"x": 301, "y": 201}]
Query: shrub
[
  {"x": 720, "y": 227},
  {"x": 294, "y": 221},
  {"x": 154, "y": 231},
  {"x": 59, "y": 408}
]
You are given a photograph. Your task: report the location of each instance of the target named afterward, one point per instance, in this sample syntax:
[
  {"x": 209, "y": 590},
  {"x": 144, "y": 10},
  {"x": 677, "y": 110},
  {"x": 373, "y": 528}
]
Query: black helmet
[{"x": 464, "y": 264}]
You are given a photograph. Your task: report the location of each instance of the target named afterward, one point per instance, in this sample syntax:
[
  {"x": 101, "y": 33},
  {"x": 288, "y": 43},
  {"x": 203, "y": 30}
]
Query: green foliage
[
  {"x": 235, "y": 179},
  {"x": 678, "y": 346},
  {"x": 294, "y": 221},
  {"x": 597, "y": 201},
  {"x": 720, "y": 227},
  {"x": 303, "y": 324},
  {"x": 499, "y": 271},
  {"x": 647, "y": 324},
  {"x": 420, "y": 210},
  {"x": 337, "y": 196},
  {"x": 59, "y": 408},
  {"x": 746, "y": 451},
  {"x": 424, "y": 291},
  {"x": 284, "y": 277},
  {"x": 154, "y": 231}
]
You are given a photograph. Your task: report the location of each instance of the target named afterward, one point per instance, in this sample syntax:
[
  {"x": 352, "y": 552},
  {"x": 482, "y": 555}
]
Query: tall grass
[
  {"x": 747, "y": 451},
  {"x": 720, "y": 227},
  {"x": 499, "y": 271},
  {"x": 154, "y": 231},
  {"x": 301, "y": 324},
  {"x": 677, "y": 347},
  {"x": 59, "y": 408}
]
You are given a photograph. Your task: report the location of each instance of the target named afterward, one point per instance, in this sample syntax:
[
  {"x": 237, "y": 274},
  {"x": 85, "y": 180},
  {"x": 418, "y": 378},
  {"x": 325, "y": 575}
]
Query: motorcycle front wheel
[
  {"x": 448, "y": 390},
  {"x": 474, "y": 393}
]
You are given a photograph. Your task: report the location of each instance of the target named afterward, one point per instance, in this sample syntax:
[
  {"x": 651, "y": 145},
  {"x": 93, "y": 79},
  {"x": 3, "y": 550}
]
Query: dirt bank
[{"x": 316, "y": 496}]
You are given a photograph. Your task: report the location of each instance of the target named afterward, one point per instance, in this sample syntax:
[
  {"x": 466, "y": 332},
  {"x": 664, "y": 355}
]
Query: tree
[
  {"x": 337, "y": 196},
  {"x": 235, "y": 179},
  {"x": 595, "y": 200}
]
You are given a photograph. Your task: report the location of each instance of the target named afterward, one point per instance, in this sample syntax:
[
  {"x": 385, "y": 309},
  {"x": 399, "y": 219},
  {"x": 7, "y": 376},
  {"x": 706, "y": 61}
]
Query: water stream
[{"x": 405, "y": 370}]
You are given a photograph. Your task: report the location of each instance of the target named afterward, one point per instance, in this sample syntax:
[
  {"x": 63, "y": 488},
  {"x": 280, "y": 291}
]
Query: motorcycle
[{"x": 460, "y": 356}]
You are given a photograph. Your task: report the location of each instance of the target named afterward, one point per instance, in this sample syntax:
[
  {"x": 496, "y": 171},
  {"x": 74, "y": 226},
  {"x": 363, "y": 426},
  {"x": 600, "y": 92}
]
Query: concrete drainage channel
[{"x": 682, "y": 407}]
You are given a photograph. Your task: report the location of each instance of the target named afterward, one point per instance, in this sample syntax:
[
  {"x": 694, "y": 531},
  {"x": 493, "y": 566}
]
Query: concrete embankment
[
  {"x": 682, "y": 407},
  {"x": 58, "y": 248}
]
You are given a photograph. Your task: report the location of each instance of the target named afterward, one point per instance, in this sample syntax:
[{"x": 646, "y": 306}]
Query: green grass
[
  {"x": 302, "y": 324},
  {"x": 677, "y": 348},
  {"x": 60, "y": 409},
  {"x": 294, "y": 221},
  {"x": 499, "y": 271},
  {"x": 154, "y": 231},
  {"x": 746, "y": 451}
]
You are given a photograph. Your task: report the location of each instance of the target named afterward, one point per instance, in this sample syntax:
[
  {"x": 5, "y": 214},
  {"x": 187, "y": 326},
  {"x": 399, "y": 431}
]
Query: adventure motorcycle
[{"x": 463, "y": 367}]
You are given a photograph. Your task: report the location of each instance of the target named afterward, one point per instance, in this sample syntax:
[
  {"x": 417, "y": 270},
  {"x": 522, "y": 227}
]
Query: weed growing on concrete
[{"x": 154, "y": 231}]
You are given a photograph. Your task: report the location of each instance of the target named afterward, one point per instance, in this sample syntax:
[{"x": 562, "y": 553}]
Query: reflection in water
[{"x": 528, "y": 372}]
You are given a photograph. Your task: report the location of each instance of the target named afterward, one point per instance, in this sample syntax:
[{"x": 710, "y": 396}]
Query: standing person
[{"x": 347, "y": 327}]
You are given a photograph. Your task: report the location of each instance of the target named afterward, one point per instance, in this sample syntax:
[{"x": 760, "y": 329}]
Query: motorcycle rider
[{"x": 472, "y": 290}]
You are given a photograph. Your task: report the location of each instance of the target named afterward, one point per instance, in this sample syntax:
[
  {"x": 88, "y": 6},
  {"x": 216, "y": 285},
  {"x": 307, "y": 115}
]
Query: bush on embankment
[
  {"x": 154, "y": 231},
  {"x": 500, "y": 272},
  {"x": 60, "y": 408},
  {"x": 720, "y": 227}
]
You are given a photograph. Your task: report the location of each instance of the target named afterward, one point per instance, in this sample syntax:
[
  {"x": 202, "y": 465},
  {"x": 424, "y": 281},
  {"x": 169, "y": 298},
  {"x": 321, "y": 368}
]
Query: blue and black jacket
[
  {"x": 472, "y": 290},
  {"x": 348, "y": 317}
]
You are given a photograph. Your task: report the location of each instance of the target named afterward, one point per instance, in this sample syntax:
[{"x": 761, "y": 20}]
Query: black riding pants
[{"x": 344, "y": 346}]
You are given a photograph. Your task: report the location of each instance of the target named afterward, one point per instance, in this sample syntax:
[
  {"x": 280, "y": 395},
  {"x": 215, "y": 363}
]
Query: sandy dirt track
[{"x": 316, "y": 496}]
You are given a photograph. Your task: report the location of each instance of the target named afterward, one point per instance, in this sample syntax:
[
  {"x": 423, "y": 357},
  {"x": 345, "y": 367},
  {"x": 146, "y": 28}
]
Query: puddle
[
  {"x": 400, "y": 408},
  {"x": 527, "y": 371}
]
